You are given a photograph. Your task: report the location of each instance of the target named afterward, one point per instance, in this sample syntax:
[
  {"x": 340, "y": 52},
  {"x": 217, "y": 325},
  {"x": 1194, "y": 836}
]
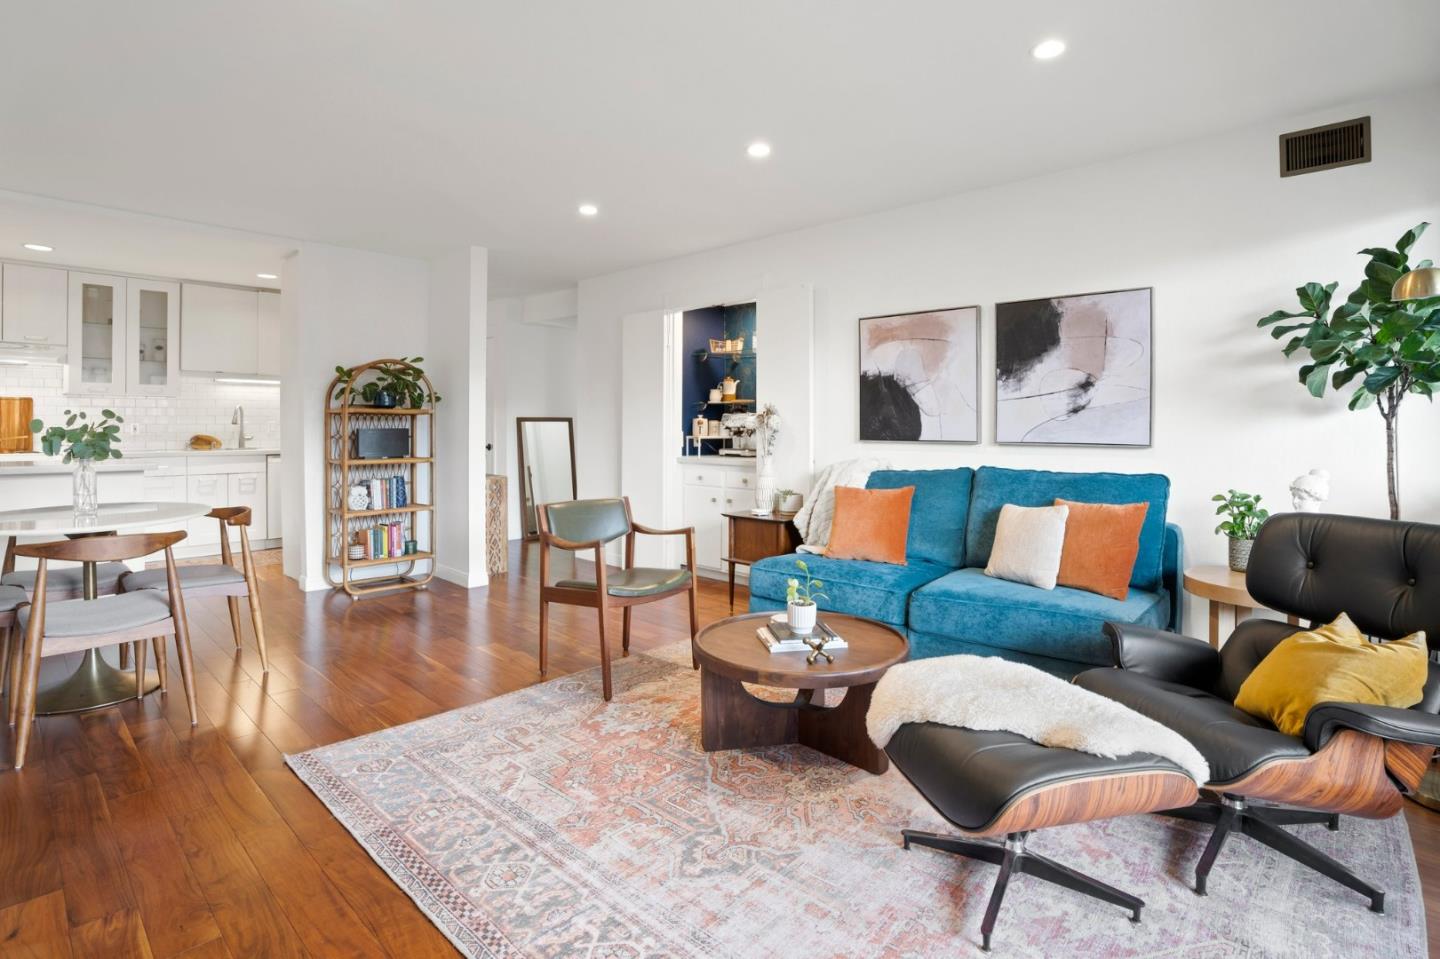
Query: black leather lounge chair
[{"x": 1352, "y": 759}]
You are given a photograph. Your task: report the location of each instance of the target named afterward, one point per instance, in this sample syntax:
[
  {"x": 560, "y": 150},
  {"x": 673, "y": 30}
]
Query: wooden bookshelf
[{"x": 343, "y": 417}]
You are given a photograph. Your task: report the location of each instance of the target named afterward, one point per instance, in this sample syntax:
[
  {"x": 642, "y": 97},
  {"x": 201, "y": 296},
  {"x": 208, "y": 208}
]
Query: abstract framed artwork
[
  {"x": 920, "y": 376},
  {"x": 1075, "y": 370}
]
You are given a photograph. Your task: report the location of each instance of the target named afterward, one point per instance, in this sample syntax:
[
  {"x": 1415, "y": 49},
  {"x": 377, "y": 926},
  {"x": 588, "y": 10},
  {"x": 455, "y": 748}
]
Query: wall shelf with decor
[{"x": 379, "y": 477}]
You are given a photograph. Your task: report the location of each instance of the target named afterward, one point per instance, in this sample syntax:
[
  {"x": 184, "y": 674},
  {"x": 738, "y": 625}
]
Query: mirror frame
[{"x": 520, "y": 421}]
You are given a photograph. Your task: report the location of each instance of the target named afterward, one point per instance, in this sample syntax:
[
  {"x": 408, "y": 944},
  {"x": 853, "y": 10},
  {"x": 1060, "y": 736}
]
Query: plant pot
[
  {"x": 1240, "y": 554},
  {"x": 86, "y": 488},
  {"x": 384, "y": 399},
  {"x": 801, "y": 618},
  {"x": 792, "y": 503}
]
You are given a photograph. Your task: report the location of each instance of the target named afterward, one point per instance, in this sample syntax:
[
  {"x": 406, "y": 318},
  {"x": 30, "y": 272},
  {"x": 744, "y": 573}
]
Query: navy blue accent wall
[
  {"x": 697, "y": 327},
  {"x": 740, "y": 323}
]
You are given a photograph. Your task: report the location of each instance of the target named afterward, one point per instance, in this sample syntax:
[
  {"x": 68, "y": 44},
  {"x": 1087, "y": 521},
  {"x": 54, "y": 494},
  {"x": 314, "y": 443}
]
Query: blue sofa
[{"x": 945, "y": 603}]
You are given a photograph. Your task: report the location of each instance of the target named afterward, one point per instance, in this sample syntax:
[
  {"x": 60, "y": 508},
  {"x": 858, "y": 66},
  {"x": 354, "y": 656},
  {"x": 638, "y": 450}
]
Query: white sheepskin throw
[
  {"x": 984, "y": 692},
  {"x": 818, "y": 514}
]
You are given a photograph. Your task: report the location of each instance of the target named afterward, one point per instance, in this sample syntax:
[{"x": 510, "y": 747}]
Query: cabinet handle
[
  {"x": 729, "y": 502},
  {"x": 712, "y": 499},
  {"x": 744, "y": 481},
  {"x": 699, "y": 477},
  {"x": 37, "y": 339}
]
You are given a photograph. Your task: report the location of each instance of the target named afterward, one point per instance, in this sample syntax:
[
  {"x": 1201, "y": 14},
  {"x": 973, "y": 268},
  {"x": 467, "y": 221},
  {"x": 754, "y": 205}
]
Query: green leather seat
[{"x": 640, "y": 581}]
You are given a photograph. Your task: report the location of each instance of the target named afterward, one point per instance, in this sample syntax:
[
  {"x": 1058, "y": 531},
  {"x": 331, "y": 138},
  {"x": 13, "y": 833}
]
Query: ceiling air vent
[{"x": 1323, "y": 148}]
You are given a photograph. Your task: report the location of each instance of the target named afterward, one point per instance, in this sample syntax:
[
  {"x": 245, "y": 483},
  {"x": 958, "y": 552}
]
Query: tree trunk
[{"x": 1392, "y": 455}]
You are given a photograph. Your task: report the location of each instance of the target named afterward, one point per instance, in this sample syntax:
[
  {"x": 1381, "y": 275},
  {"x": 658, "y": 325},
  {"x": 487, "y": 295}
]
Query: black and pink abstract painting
[
  {"x": 1074, "y": 370},
  {"x": 919, "y": 376}
]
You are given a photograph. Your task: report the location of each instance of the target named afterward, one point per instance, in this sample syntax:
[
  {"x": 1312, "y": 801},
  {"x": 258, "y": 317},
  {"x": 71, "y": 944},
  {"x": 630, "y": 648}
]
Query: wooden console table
[
  {"x": 1222, "y": 586},
  {"x": 754, "y": 536}
]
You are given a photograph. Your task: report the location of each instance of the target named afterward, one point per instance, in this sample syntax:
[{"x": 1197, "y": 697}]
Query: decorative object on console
[
  {"x": 83, "y": 442},
  {"x": 1246, "y": 518},
  {"x": 800, "y": 600},
  {"x": 1029, "y": 541},
  {"x": 789, "y": 501},
  {"x": 204, "y": 441},
  {"x": 1383, "y": 335},
  {"x": 871, "y": 524},
  {"x": 358, "y": 498},
  {"x": 1308, "y": 493},
  {"x": 1101, "y": 543},
  {"x": 1074, "y": 370},
  {"x": 920, "y": 376},
  {"x": 728, "y": 386},
  {"x": 767, "y": 433}
]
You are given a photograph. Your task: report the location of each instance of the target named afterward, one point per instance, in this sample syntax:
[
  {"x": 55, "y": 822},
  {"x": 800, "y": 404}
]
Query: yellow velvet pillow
[
  {"x": 871, "y": 524},
  {"x": 1333, "y": 663}
]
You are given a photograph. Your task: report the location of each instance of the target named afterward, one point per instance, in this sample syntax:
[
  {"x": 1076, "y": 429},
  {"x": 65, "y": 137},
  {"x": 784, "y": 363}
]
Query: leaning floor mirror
[{"x": 547, "y": 465}]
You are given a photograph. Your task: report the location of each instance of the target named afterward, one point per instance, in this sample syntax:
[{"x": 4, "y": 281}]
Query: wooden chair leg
[
  {"x": 625, "y": 632},
  {"x": 31, "y": 683},
  {"x": 6, "y": 641},
  {"x": 604, "y": 655},
  {"x": 124, "y": 655},
  {"x": 17, "y": 671},
  {"x": 139, "y": 649},
  {"x": 259, "y": 623},
  {"x": 544, "y": 636},
  {"x": 234, "y": 603},
  {"x": 694, "y": 626},
  {"x": 161, "y": 661},
  {"x": 187, "y": 666}
]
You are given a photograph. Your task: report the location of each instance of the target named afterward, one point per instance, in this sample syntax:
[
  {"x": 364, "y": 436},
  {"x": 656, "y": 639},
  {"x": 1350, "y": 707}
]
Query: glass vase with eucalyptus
[{"x": 84, "y": 442}]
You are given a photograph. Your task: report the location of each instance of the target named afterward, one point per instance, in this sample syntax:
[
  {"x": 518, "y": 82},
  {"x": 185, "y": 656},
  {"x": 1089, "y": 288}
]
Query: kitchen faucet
[{"x": 238, "y": 419}]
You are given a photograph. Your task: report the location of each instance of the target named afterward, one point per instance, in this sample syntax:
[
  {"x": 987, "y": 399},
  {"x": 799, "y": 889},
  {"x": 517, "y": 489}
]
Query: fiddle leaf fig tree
[{"x": 1391, "y": 347}]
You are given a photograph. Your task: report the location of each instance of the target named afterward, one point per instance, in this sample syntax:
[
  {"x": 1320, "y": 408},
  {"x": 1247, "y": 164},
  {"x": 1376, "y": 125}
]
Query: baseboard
[{"x": 461, "y": 577}]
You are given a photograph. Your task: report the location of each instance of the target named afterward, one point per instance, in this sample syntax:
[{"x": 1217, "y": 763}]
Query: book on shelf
[{"x": 778, "y": 638}]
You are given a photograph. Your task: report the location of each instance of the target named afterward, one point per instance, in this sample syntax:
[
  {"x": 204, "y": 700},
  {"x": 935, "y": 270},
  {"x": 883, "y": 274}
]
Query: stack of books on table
[{"x": 777, "y": 637}]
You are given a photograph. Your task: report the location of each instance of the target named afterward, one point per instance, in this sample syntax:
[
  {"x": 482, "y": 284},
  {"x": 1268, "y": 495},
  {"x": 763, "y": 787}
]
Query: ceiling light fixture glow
[
  {"x": 268, "y": 276},
  {"x": 1048, "y": 49},
  {"x": 758, "y": 150},
  {"x": 589, "y": 209},
  {"x": 39, "y": 247}
]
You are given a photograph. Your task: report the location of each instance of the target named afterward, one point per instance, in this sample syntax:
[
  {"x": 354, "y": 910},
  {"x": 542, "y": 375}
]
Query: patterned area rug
[{"x": 548, "y": 823}]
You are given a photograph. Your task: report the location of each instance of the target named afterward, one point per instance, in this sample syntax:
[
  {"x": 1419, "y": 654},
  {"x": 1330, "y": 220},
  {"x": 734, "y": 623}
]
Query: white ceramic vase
[
  {"x": 764, "y": 485},
  {"x": 86, "y": 488},
  {"x": 801, "y": 618}
]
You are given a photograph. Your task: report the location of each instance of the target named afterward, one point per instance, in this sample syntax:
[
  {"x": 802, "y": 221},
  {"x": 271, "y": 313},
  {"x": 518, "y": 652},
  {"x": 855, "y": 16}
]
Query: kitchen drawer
[
  {"x": 211, "y": 491},
  {"x": 740, "y": 480},
  {"x": 159, "y": 465},
  {"x": 164, "y": 489},
  {"x": 703, "y": 476},
  {"x": 202, "y": 465}
]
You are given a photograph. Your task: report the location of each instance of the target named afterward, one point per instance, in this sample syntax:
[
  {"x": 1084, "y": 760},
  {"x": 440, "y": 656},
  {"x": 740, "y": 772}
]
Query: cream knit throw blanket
[
  {"x": 818, "y": 514},
  {"x": 984, "y": 692}
]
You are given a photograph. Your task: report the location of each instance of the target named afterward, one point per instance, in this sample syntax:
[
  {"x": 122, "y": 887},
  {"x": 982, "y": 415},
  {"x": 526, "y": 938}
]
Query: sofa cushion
[
  {"x": 1060, "y": 623},
  {"x": 1232, "y": 742},
  {"x": 860, "y": 588},
  {"x": 995, "y": 487},
  {"x": 938, "y": 511},
  {"x": 870, "y": 524}
]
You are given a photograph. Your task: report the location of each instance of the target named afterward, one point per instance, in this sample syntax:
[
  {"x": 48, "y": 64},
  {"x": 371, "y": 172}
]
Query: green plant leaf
[
  {"x": 1382, "y": 272},
  {"x": 1403, "y": 245},
  {"x": 1361, "y": 399},
  {"x": 1379, "y": 379},
  {"x": 1279, "y": 315},
  {"x": 1315, "y": 379},
  {"x": 36, "y": 426}
]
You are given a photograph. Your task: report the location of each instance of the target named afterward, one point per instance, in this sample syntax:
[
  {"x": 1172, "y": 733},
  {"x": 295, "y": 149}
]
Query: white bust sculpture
[{"x": 1308, "y": 493}]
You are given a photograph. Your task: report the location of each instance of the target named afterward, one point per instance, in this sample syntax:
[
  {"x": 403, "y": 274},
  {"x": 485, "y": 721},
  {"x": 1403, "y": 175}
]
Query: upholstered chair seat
[
  {"x": 69, "y": 581},
  {"x": 191, "y": 577},
  {"x": 640, "y": 581},
  {"x": 86, "y": 617}
]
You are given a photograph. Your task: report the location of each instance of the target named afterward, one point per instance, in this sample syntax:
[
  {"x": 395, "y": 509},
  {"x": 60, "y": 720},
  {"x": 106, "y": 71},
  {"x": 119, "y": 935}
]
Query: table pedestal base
[
  {"x": 94, "y": 685},
  {"x": 731, "y": 718}
]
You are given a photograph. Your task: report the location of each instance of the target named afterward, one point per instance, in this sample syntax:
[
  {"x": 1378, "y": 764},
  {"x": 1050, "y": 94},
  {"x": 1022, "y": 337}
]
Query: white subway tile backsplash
[{"x": 164, "y": 422}]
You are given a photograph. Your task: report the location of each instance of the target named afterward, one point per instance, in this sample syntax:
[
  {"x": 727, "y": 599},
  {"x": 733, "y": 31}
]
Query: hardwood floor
[{"x": 129, "y": 833}]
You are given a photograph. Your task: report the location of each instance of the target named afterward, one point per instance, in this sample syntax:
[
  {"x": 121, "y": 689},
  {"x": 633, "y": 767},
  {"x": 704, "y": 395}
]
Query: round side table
[{"x": 1222, "y": 586}]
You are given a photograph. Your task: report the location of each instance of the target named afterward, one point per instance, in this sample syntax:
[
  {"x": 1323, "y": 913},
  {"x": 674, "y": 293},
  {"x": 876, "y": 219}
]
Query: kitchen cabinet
[
  {"x": 33, "y": 308},
  {"x": 212, "y": 489},
  {"x": 219, "y": 329},
  {"x": 709, "y": 493},
  {"x": 268, "y": 360},
  {"x": 272, "y": 497},
  {"x": 96, "y": 304},
  {"x": 248, "y": 489},
  {"x": 152, "y": 365}
]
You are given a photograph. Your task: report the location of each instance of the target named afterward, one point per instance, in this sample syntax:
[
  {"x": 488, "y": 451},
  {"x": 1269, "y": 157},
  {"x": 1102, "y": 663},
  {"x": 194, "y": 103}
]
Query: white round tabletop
[{"x": 62, "y": 520}]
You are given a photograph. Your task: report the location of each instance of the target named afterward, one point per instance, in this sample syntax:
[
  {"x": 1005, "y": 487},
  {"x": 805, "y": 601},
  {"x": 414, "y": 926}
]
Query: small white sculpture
[{"x": 1308, "y": 493}]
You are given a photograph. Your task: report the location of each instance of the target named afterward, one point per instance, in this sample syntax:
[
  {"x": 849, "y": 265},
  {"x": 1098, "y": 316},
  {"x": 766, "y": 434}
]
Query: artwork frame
[
  {"x": 1050, "y": 371},
  {"x": 887, "y": 408}
]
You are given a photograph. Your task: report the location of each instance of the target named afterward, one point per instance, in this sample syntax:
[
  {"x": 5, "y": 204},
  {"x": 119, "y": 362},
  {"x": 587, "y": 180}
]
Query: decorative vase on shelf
[
  {"x": 764, "y": 485},
  {"x": 801, "y": 618},
  {"x": 1240, "y": 554},
  {"x": 384, "y": 399},
  {"x": 86, "y": 488}
]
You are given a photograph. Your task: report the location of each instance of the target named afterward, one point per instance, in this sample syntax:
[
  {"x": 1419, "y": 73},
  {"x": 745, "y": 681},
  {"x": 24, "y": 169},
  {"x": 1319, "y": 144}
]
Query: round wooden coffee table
[{"x": 730, "y": 718}]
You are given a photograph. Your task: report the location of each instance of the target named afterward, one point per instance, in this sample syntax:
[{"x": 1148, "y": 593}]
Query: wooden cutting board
[{"x": 15, "y": 415}]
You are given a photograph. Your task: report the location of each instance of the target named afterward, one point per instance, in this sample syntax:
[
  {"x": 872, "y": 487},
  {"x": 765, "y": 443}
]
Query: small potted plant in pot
[
  {"x": 1245, "y": 519},
  {"x": 790, "y": 501},
  {"x": 800, "y": 598}
]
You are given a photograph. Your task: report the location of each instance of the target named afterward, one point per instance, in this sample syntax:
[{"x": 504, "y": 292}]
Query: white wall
[
  {"x": 531, "y": 372},
  {"x": 345, "y": 307},
  {"x": 1210, "y": 225}
]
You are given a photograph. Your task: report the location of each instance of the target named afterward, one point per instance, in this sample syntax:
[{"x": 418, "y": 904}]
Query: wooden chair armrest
[
  {"x": 550, "y": 539},
  {"x": 650, "y": 531}
]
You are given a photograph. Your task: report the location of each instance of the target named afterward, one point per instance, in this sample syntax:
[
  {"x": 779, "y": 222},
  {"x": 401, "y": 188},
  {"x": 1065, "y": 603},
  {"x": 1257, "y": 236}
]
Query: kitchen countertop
[{"x": 132, "y": 461}]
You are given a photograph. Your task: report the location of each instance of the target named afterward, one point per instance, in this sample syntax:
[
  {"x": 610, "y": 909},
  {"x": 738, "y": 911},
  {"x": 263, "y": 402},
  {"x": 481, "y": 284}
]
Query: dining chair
[
  {"x": 218, "y": 579},
  {"x": 592, "y": 524},
  {"x": 50, "y": 627},
  {"x": 64, "y": 582},
  {"x": 11, "y": 599}
]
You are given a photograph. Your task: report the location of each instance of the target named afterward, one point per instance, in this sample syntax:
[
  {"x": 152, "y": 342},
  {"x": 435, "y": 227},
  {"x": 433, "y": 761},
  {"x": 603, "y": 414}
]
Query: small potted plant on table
[
  {"x": 800, "y": 597},
  {"x": 1245, "y": 519},
  {"x": 84, "y": 442}
]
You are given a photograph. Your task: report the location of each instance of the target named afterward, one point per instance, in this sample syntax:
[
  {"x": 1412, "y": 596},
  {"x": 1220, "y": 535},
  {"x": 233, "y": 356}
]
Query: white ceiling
[{"x": 415, "y": 126}]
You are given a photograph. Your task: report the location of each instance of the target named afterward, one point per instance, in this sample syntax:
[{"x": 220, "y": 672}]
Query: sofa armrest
[
  {"x": 1162, "y": 655},
  {"x": 1387, "y": 722}
]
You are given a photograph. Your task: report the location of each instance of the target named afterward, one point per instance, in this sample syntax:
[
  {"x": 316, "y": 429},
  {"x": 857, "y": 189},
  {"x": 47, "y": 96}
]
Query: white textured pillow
[{"x": 1028, "y": 540}]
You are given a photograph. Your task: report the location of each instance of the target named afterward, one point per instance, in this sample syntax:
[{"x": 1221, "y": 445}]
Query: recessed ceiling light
[
  {"x": 758, "y": 150},
  {"x": 268, "y": 276},
  {"x": 589, "y": 209},
  {"x": 39, "y": 247},
  {"x": 1048, "y": 49}
]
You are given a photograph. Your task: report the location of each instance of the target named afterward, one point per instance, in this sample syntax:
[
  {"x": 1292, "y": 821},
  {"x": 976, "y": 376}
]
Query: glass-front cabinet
[
  {"x": 152, "y": 342},
  {"x": 97, "y": 325}
]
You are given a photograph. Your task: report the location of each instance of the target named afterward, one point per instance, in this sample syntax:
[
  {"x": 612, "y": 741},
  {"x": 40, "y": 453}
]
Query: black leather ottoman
[{"x": 1004, "y": 785}]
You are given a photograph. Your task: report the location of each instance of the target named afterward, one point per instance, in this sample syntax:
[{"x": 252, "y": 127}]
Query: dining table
[{"x": 95, "y": 683}]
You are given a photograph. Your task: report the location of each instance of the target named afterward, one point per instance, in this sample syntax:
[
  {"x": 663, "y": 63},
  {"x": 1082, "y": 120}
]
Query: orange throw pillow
[
  {"x": 870, "y": 524},
  {"x": 1101, "y": 543}
]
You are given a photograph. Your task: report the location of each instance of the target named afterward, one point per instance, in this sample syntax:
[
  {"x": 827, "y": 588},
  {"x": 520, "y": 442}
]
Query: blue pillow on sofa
[{"x": 938, "y": 511}]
